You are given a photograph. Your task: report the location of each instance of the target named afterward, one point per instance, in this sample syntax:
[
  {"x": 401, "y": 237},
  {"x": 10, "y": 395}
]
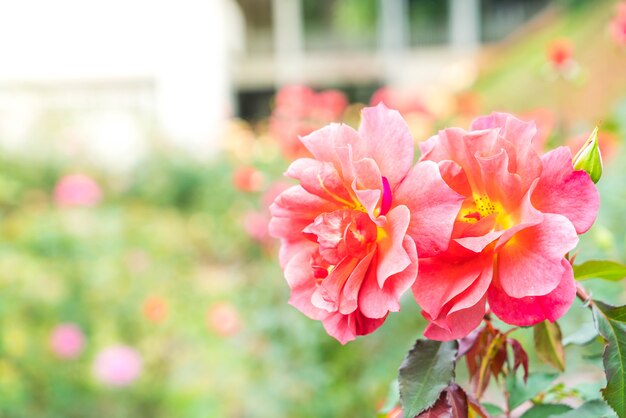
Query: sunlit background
[{"x": 142, "y": 142}]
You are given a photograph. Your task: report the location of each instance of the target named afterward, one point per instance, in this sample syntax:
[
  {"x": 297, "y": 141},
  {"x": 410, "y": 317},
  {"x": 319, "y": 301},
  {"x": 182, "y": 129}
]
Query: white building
[{"x": 103, "y": 79}]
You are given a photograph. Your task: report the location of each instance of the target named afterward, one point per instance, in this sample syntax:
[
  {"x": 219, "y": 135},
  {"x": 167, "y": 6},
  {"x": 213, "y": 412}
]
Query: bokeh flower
[
  {"x": 298, "y": 111},
  {"x": 352, "y": 230},
  {"x": 617, "y": 26},
  {"x": 402, "y": 100},
  {"x": 67, "y": 341},
  {"x": 118, "y": 365},
  {"x": 223, "y": 319},
  {"x": 155, "y": 309},
  {"x": 248, "y": 179},
  {"x": 76, "y": 190},
  {"x": 560, "y": 54},
  {"x": 521, "y": 215}
]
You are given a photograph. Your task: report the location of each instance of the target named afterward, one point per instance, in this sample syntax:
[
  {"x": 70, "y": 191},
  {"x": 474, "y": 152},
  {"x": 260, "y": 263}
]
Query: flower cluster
[{"x": 480, "y": 219}]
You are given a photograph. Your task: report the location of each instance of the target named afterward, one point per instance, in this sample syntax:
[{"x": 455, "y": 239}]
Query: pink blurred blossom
[
  {"x": 617, "y": 26},
  {"x": 248, "y": 179},
  {"x": 560, "y": 55},
  {"x": 298, "y": 111},
  {"x": 67, "y": 341},
  {"x": 118, "y": 365},
  {"x": 405, "y": 102},
  {"x": 256, "y": 222},
  {"x": 76, "y": 190},
  {"x": 223, "y": 319}
]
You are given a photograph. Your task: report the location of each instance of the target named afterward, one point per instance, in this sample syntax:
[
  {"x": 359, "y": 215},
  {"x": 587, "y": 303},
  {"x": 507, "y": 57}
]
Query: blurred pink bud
[
  {"x": 77, "y": 190},
  {"x": 255, "y": 225},
  {"x": 223, "y": 319},
  {"x": 298, "y": 111},
  {"x": 67, "y": 341},
  {"x": 118, "y": 365},
  {"x": 405, "y": 102},
  {"x": 617, "y": 26},
  {"x": 248, "y": 179},
  {"x": 560, "y": 54},
  {"x": 155, "y": 309}
]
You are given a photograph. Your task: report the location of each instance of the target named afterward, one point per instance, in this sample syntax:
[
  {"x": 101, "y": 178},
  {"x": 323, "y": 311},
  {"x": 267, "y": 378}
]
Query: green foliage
[
  {"x": 546, "y": 410},
  {"x": 425, "y": 372},
  {"x": 520, "y": 392},
  {"x": 600, "y": 269},
  {"x": 548, "y": 344},
  {"x": 595, "y": 409},
  {"x": 611, "y": 322},
  {"x": 582, "y": 336}
]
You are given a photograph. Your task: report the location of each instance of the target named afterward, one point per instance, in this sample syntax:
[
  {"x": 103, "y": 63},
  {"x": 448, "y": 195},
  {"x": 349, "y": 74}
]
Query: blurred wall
[{"x": 113, "y": 74}]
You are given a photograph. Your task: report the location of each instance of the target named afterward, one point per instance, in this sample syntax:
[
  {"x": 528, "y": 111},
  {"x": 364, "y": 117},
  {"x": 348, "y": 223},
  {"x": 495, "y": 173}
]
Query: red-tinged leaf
[
  {"x": 520, "y": 356},
  {"x": 466, "y": 343},
  {"x": 475, "y": 354},
  {"x": 498, "y": 360},
  {"x": 457, "y": 399},
  {"x": 476, "y": 408},
  {"x": 482, "y": 378},
  {"x": 441, "y": 408}
]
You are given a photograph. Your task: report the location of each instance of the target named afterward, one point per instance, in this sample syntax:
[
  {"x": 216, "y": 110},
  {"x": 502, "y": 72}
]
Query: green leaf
[
  {"x": 595, "y": 409},
  {"x": 583, "y": 336},
  {"x": 492, "y": 409},
  {"x": 548, "y": 344},
  {"x": 520, "y": 393},
  {"x": 611, "y": 323},
  {"x": 425, "y": 372},
  {"x": 545, "y": 410},
  {"x": 600, "y": 269}
]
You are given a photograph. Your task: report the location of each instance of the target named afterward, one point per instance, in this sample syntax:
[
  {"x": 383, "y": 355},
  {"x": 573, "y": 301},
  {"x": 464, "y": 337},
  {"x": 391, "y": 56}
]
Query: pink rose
[
  {"x": 298, "y": 111},
  {"x": 522, "y": 213},
  {"x": 67, "y": 341},
  {"x": 77, "y": 190},
  {"x": 118, "y": 365},
  {"x": 352, "y": 230}
]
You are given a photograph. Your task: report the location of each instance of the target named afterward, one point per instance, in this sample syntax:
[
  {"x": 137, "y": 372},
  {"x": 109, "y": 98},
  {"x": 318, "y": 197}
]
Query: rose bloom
[
  {"x": 298, "y": 111},
  {"x": 77, "y": 190},
  {"x": 67, "y": 341},
  {"x": 618, "y": 25},
  {"x": 352, "y": 230},
  {"x": 118, "y": 365},
  {"x": 521, "y": 215}
]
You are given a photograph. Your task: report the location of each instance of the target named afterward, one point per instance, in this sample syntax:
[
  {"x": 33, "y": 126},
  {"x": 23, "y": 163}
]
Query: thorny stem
[{"x": 582, "y": 294}]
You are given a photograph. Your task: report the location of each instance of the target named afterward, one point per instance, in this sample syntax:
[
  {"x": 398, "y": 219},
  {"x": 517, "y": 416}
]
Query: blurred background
[{"x": 142, "y": 142}]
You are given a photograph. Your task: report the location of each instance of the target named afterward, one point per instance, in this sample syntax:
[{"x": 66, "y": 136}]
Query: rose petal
[
  {"x": 529, "y": 264},
  {"x": 534, "y": 309},
  {"x": 565, "y": 191},
  {"x": 388, "y": 141},
  {"x": 433, "y": 205}
]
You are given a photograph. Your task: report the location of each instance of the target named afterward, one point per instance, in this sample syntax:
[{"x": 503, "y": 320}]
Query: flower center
[{"x": 481, "y": 207}]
